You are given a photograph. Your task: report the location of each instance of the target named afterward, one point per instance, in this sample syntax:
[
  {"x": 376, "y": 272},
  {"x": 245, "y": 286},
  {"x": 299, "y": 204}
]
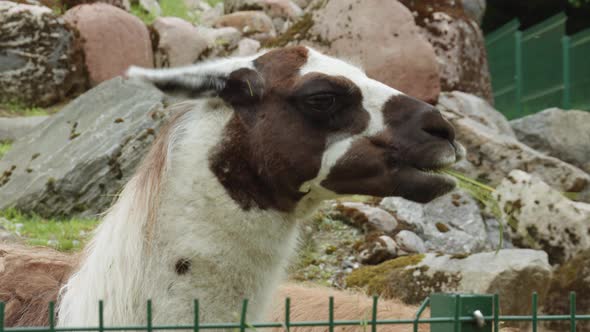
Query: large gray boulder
[
  {"x": 543, "y": 217},
  {"x": 451, "y": 224},
  {"x": 558, "y": 133},
  {"x": 492, "y": 154},
  {"x": 41, "y": 60},
  {"x": 476, "y": 108},
  {"x": 512, "y": 273},
  {"x": 76, "y": 162}
]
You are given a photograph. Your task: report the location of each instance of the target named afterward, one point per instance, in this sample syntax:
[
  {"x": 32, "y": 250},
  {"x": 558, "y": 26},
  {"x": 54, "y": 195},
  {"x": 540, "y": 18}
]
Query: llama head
[{"x": 309, "y": 125}]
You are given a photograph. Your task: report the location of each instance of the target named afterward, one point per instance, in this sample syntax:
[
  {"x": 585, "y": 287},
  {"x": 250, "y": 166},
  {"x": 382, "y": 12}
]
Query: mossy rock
[
  {"x": 403, "y": 279},
  {"x": 573, "y": 276}
]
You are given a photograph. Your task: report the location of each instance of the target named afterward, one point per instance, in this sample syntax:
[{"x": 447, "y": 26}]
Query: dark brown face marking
[
  {"x": 275, "y": 143},
  {"x": 182, "y": 266},
  {"x": 390, "y": 163}
]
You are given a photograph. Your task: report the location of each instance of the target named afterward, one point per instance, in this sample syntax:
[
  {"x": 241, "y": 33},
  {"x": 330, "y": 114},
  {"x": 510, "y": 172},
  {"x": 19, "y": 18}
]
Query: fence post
[
  {"x": 374, "y": 314},
  {"x": 288, "y": 314},
  {"x": 535, "y": 301},
  {"x": 149, "y": 316},
  {"x": 51, "y": 316},
  {"x": 196, "y": 315},
  {"x": 243, "y": 316},
  {"x": 518, "y": 73},
  {"x": 567, "y": 84},
  {"x": 100, "y": 316},
  {"x": 1, "y": 316},
  {"x": 572, "y": 311}
]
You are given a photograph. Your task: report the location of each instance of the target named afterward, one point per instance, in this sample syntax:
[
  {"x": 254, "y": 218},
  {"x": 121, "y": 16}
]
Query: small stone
[
  {"x": 179, "y": 42},
  {"x": 379, "y": 250},
  {"x": 365, "y": 217},
  {"x": 247, "y": 22},
  {"x": 247, "y": 46},
  {"x": 410, "y": 242}
]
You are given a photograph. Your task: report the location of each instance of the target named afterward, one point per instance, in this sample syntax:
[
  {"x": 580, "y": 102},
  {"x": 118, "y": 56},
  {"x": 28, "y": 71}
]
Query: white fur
[{"x": 234, "y": 254}]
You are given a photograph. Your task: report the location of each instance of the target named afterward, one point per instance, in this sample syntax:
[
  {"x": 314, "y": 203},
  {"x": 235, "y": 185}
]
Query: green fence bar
[
  {"x": 423, "y": 306},
  {"x": 243, "y": 315},
  {"x": 501, "y": 48},
  {"x": 573, "y": 312},
  {"x": 1, "y": 316},
  {"x": 567, "y": 84},
  {"x": 496, "y": 313},
  {"x": 374, "y": 314},
  {"x": 149, "y": 316},
  {"x": 51, "y": 316},
  {"x": 196, "y": 317},
  {"x": 535, "y": 309},
  {"x": 100, "y": 316},
  {"x": 518, "y": 73},
  {"x": 288, "y": 314},
  {"x": 579, "y": 53},
  {"x": 331, "y": 314}
]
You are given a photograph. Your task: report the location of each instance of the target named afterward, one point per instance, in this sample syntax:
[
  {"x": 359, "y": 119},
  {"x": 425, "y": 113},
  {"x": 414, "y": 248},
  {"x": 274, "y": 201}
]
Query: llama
[{"x": 211, "y": 213}]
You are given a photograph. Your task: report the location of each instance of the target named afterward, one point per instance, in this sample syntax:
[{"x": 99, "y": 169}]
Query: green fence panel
[
  {"x": 460, "y": 305},
  {"x": 542, "y": 65},
  {"x": 501, "y": 48},
  {"x": 579, "y": 71}
]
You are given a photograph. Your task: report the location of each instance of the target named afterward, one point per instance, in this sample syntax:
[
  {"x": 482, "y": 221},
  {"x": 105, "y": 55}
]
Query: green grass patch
[
  {"x": 143, "y": 15},
  {"x": 4, "y": 147},
  {"x": 16, "y": 109},
  {"x": 170, "y": 8},
  {"x": 61, "y": 234},
  {"x": 212, "y": 3}
]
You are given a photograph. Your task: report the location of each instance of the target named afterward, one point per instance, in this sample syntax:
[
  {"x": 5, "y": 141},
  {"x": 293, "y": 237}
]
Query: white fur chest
[{"x": 233, "y": 254}]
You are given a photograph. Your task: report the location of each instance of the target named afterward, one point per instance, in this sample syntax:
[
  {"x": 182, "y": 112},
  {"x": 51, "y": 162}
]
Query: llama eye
[{"x": 322, "y": 102}]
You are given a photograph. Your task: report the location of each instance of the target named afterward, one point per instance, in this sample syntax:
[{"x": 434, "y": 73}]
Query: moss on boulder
[{"x": 573, "y": 276}]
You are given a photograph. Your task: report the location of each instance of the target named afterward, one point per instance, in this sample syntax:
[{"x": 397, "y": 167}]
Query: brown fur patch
[
  {"x": 310, "y": 303},
  {"x": 30, "y": 278}
]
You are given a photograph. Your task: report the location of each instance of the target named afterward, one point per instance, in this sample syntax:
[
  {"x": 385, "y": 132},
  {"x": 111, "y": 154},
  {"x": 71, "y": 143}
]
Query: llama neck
[{"x": 199, "y": 245}]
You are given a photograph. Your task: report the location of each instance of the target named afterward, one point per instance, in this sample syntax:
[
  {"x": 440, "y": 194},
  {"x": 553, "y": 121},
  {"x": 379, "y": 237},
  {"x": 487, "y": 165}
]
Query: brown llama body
[{"x": 30, "y": 277}]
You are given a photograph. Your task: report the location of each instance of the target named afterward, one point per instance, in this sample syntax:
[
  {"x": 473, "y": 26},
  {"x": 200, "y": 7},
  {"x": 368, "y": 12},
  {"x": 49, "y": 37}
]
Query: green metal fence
[
  {"x": 449, "y": 313},
  {"x": 539, "y": 67}
]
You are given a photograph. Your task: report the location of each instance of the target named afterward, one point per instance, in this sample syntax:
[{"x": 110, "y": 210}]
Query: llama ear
[
  {"x": 243, "y": 86},
  {"x": 234, "y": 80}
]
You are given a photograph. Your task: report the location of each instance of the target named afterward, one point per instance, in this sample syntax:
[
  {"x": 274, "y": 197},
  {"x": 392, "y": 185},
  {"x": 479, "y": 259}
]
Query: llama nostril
[
  {"x": 435, "y": 125},
  {"x": 443, "y": 133}
]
